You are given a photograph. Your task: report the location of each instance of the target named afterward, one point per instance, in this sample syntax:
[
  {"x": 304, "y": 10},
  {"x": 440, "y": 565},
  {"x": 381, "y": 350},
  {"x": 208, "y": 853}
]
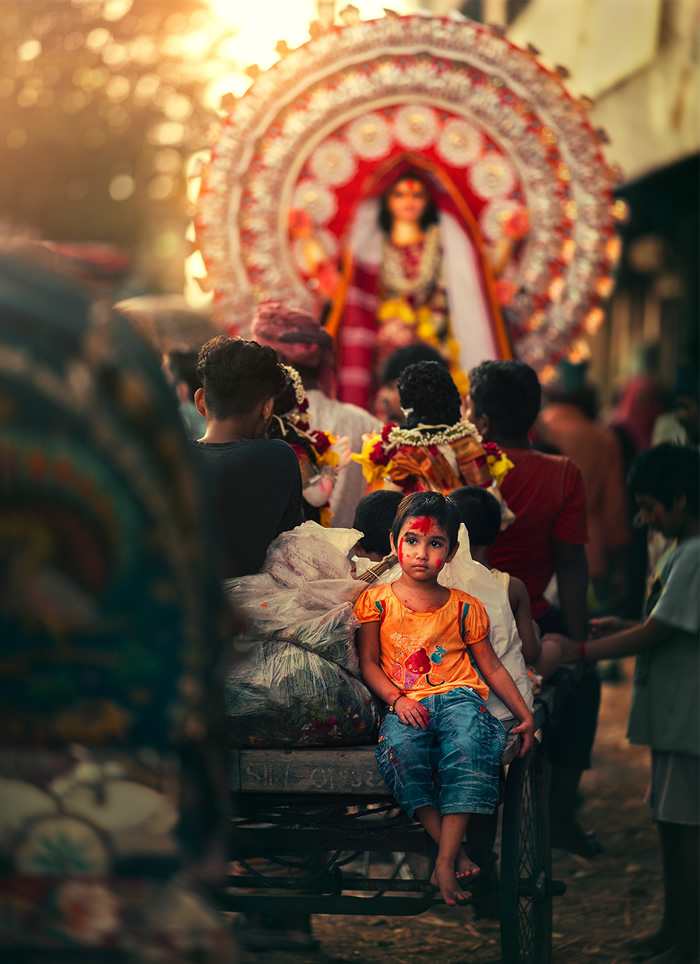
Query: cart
[{"x": 312, "y": 812}]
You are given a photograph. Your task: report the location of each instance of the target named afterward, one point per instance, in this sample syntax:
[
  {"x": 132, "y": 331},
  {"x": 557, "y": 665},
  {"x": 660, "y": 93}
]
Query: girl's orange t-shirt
[{"x": 425, "y": 654}]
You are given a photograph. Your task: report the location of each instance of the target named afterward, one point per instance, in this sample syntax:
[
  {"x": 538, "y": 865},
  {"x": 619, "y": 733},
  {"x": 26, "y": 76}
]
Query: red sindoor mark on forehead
[{"x": 422, "y": 524}]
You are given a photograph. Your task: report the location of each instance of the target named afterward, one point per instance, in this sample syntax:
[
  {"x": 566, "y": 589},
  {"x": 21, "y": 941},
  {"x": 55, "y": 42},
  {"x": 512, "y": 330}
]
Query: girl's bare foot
[
  {"x": 466, "y": 869},
  {"x": 445, "y": 879}
]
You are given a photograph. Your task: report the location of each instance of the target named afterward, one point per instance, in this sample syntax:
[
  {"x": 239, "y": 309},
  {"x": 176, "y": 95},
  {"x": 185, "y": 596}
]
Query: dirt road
[{"x": 608, "y": 899}]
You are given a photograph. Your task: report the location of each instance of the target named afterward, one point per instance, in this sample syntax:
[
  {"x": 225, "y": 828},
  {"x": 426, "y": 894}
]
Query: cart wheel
[{"x": 526, "y": 865}]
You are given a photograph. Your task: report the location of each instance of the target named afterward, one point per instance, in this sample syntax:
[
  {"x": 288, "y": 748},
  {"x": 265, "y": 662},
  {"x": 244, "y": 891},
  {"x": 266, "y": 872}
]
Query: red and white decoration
[{"x": 499, "y": 126}]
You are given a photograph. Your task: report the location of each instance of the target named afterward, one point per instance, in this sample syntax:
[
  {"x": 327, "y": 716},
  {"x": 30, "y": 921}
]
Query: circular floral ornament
[
  {"x": 492, "y": 177},
  {"x": 496, "y": 217},
  {"x": 315, "y": 199},
  {"x": 350, "y": 80},
  {"x": 327, "y": 241},
  {"x": 370, "y": 137},
  {"x": 415, "y": 127},
  {"x": 460, "y": 143},
  {"x": 333, "y": 163},
  {"x": 60, "y": 846}
]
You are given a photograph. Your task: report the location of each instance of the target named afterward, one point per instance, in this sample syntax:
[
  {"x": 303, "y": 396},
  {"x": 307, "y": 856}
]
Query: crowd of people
[
  {"x": 547, "y": 515},
  {"x": 552, "y": 483}
]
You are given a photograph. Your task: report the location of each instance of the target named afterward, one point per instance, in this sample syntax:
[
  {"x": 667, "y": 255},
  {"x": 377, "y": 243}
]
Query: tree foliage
[{"x": 101, "y": 103}]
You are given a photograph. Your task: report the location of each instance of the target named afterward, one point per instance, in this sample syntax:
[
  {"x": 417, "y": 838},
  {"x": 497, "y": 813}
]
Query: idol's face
[{"x": 407, "y": 200}]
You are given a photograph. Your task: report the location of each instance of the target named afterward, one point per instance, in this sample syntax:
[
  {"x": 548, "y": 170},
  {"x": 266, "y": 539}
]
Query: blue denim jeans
[{"x": 463, "y": 744}]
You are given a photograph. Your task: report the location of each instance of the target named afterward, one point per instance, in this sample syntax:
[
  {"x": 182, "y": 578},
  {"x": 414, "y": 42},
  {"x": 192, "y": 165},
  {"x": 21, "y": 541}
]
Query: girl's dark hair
[
  {"x": 428, "y": 389},
  {"x": 480, "y": 511},
  {"x": 386, "y": 218},
  {"x": 434, "y": 506},
  {"x": 285, "y": 402},
  {"x": 667, "y": 472}
]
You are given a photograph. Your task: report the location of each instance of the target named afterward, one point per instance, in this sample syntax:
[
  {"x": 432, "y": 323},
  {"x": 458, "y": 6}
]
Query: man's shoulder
[
  {"x": 536, "y": 459},
  {"x": 276, "y": 445},
  {"x": 541, "y": 465},
  {"x": 362, "y": 415},
  {"x": 269, "y": 450},
  {"x": 685, "y": 554},
  {"x": 273, "y": 448},
  {"x": 323, "y": 407}
]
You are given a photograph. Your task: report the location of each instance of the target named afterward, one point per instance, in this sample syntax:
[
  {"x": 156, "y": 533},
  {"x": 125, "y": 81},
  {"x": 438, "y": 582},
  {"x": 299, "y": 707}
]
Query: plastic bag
[
  {"x": 465, "y": 574},
  {"x": 294, "y": 680}
]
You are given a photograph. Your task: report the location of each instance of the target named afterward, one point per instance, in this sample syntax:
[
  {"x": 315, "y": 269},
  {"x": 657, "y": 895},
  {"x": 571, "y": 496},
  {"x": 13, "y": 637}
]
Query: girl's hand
[
  {"x": 411, "y": 713},
  {"x": 526, "y": 729},
  {"x": 606, "y": 626}
]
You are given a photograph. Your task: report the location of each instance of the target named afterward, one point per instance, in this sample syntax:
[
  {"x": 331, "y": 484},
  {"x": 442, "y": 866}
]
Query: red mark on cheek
[
  {"x": 400, "y": 552},
  {"x": 440, "y": 563},
  {"x": 423, "y": 525}
]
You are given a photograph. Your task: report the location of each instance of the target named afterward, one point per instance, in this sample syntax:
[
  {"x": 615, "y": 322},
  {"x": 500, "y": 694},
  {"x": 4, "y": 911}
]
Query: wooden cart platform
[{"x": 305, "y": 815}]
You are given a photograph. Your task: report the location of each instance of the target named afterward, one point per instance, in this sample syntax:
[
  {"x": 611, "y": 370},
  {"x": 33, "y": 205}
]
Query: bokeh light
[
  {"x": 121, "y": 187},
  {"x": 106, "y": 101}
]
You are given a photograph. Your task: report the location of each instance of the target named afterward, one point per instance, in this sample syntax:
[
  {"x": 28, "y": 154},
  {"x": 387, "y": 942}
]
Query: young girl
[{"x": 417, "y": 644}]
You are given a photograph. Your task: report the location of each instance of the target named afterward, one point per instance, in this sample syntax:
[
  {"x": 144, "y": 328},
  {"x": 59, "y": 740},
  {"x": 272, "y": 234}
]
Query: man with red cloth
[{"x": 547, "y": 538}]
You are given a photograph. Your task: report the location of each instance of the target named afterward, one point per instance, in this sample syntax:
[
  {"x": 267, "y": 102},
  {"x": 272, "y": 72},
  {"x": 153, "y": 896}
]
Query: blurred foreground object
[{"x": 109, "y": 623}]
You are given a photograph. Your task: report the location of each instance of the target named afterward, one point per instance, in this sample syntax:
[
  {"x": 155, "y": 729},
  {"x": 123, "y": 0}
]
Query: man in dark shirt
[{"x": 254, "y": 481}]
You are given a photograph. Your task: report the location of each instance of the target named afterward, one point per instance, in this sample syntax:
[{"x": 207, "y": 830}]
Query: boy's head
[
  {"x": 480, "y": 512},
  {"x": 504, "y": 399},
  {"x": 388, "y": 394},
  {"x": 423, "y": 506},
  {"x": 374, "y": 516},
  {"x": 239, "y": 378},
  {"x": 665, "y": 481}
]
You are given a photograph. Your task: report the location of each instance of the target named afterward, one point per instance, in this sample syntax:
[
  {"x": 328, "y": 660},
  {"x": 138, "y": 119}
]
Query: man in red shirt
[{"x": 547, "y": 538}]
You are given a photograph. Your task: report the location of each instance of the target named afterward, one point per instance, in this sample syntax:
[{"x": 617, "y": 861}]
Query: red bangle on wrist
[{"x": 582, "y": 651}]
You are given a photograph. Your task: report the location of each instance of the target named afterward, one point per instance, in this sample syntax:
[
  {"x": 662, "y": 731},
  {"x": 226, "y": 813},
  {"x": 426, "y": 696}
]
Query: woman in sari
[{"x": 416, "y": 270}]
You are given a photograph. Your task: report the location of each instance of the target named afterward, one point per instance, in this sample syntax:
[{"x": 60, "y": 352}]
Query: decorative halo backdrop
[{"x": 311, "y": 130}]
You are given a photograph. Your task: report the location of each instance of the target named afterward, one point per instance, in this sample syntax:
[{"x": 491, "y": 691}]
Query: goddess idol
[
  {"x": 416, "y": 269},
  {"x": 412, "y": 178}
]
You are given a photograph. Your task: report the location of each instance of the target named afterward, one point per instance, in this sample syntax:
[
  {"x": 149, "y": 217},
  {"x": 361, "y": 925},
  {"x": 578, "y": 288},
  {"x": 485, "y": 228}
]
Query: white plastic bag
[{"x": 295, "y": 680}]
